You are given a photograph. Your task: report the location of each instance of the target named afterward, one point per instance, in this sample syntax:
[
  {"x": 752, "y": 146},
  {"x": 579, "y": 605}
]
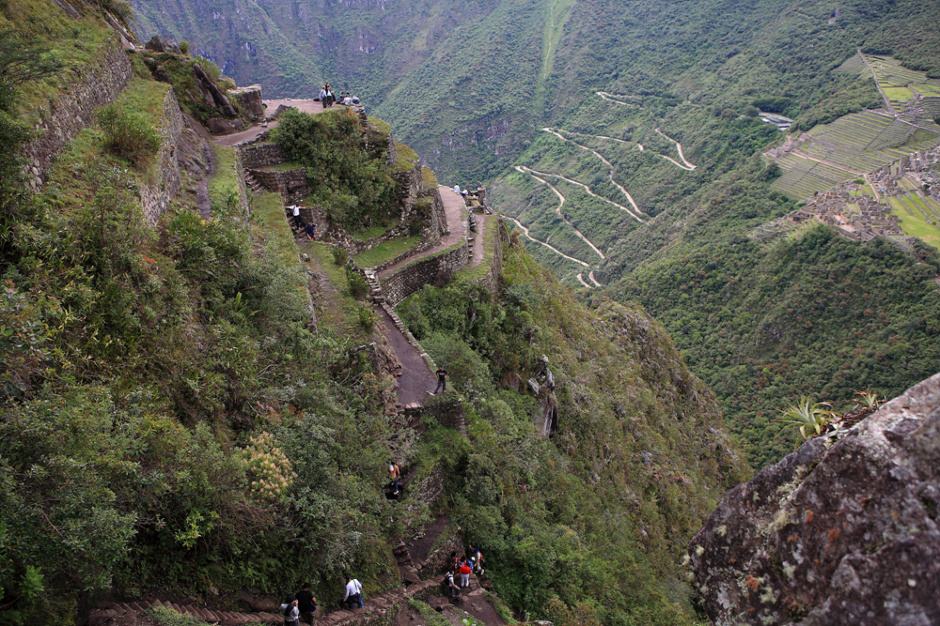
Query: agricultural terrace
[
  {"x": 898, "y": 83},
  {"x": 918, "y": 215},
  {"x": 853, "y": 144}
]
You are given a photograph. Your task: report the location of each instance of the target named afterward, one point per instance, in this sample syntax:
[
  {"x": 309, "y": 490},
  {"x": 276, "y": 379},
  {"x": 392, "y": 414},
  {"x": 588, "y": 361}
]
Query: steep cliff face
[{"x": 835, "y": 533}]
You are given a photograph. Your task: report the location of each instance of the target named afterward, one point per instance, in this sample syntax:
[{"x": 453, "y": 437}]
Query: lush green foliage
[
  {"x": 589, "y": 522},
  {"x": 818, "y": 316},
  {"x": 168, "y": 415},
  {"x": 130, "y": 135},
  {"x": 350, "y": 177}
]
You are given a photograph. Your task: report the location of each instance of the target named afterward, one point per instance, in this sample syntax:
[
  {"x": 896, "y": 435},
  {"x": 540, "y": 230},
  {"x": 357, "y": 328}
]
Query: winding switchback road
[{"x": 561, "y": 203}]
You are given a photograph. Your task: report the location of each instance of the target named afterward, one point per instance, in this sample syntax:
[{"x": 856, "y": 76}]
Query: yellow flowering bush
[{"x": 268, "y": 468}]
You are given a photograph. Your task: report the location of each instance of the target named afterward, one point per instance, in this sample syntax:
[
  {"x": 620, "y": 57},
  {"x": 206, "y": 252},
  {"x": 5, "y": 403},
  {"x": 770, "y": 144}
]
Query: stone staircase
[
  {"x": 252, "y": 182},
  {"x": 374, "y": 612},
  {"x": 375, "y": 287}
]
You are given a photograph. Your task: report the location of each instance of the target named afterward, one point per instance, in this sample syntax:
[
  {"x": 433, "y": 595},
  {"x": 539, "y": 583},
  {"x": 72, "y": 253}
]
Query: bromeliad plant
[{"x": 810, "y": 417}]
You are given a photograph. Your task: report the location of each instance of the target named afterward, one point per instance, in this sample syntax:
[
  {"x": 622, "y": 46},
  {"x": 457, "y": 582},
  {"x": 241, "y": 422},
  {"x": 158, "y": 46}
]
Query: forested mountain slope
[{"x": 186, "y": 410}]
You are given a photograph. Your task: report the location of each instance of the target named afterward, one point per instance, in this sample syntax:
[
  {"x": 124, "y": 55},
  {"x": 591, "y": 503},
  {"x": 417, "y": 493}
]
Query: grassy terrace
[
  {"x": 77, "y": 44},
  {"x": 434, "y": 255},
  {"x": 429, "y": 178},
  {"x": 272, "y": 229},
  {"x": 470, "y": 274},
  {"x": 407, "y": 158},
  {"x": 386, "y": 251},
  {"x": 915, "y": 215},
  {"x": 336, "y": 308},
  {"x": 223, "y": 186}
]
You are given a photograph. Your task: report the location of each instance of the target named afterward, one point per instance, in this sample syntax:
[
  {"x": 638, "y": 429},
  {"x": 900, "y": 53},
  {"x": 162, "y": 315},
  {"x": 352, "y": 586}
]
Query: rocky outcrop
[
  {"x": 214, "y": 96},
  {"x": 250, "y": 101},
  {"x": 222, "y": 126},
  {"x": 842, "y": 531},
  {"x": 543, "y": 388},
  {"x": 163, "y": 44}
]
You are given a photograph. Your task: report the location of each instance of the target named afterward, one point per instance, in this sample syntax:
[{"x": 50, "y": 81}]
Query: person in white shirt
[
  {"x": 296, "y": 212},
  {"x": 353, "y": 597}
]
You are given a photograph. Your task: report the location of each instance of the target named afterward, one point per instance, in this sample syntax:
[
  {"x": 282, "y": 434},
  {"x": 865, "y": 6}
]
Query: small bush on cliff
[
  {"x": 351, "y": 180},
  {"x": 129, "y": 134}
]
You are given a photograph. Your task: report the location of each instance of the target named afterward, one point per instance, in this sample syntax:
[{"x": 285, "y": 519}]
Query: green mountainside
[
  {"x": 184, "y": 413},
  {"x": 645, "y": 119}
]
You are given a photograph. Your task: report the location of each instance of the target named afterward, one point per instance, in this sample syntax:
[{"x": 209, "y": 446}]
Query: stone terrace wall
[
  {"x": 436, "y": 270},
  {"x": 491, "y": 280},
  {"x": 100, "y": 83},
  {"x": 156, "y": 198},
  {"x": 262, "y": 155},
  {"x": 291, "y": 184}
]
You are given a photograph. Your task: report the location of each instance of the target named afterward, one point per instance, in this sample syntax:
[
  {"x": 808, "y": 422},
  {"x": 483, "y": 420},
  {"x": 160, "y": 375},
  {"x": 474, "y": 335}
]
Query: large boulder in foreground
[{"x": 839, "y": 532}]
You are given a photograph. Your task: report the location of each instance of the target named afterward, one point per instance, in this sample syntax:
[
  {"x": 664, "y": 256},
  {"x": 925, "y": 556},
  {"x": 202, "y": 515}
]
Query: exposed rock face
[
  {"x": 162, "y": 44},
  {"x": 222, "y": 126},
  {"x": 845, "y": 534},
  {"x": 211, "y": 92},
  {"x": 249, "y": 98}
]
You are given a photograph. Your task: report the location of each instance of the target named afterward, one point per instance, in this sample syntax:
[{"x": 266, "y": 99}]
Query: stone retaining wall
[
  {"x": 262, "y": 155},
  {"x": 436, "y": 270},
  {"x": 100, "y": 83},
  {"x": 291, "y": 184},
  {"x": 491, "y": 280},
  {"x": 155, "y": 198}
]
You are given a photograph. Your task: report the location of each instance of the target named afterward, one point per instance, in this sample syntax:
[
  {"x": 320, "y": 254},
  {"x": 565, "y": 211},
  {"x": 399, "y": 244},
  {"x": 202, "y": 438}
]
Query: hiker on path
[
  {"x": 290, "y": 611},
  {"x": 476, "y": 558},
  {"x": 394, "y": 473},
  {"x": 353, "y": 597},
  {"x": 465, "y": 571},
  {"x": 322, "y": 96},
  {"x": 311, "y": 231},
  {"x": 306, "y": 604},
  {"x": 441, "y": 379},
  {"x": 295, "y": 210},
  {"x": 453, "y": 591},
  {"x": 330, "y": 98}
]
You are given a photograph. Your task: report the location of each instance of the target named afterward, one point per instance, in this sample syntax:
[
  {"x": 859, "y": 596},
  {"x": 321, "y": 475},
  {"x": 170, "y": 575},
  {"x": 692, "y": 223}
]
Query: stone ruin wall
[
  {"x": 291, "y": 184},
  {"x": 491, "y": 280},
  {"x": 155, "y": 198},
  {"x": 99, "y": 84},
  {"x": 436, "y": 270},
  {"x": 261, "y": 155}
]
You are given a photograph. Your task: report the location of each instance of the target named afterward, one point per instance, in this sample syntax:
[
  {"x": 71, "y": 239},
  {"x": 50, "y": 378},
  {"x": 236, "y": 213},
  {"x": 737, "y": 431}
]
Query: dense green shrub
[
  {"x": 358, "y": 284},
  {"x": 351, "y": 180},
  {"x": 129, "y": 134}
]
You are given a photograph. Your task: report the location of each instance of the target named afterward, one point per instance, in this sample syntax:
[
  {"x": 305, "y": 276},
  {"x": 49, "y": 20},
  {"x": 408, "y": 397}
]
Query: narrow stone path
[
  {"x": 455, "y": 210},
  {"x": 307, "y": 106},
  {"x": 417, "y": 381},
  {"x": 479, "y": 249}
]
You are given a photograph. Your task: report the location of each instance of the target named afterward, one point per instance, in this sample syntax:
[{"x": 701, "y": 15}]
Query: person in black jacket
[
  {"x": 307, "y": 604},
  {"x": 441, "y": 379}
]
